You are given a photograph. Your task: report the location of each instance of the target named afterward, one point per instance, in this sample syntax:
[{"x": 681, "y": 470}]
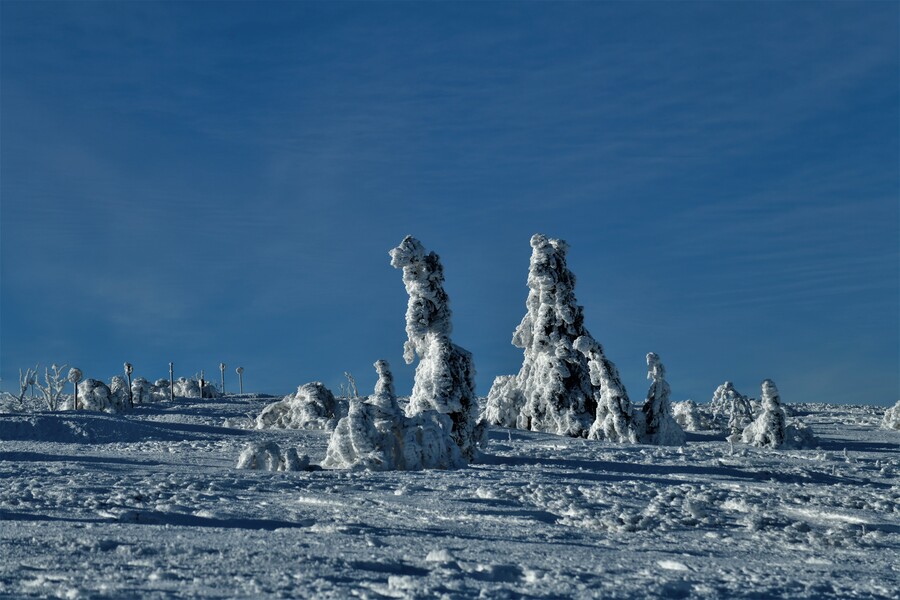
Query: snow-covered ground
[{"x": 150, "y": 504}]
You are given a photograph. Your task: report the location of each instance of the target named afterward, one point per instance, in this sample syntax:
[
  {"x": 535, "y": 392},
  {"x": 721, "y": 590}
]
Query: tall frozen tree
[
  {"x": 445, "y": 375},
  {"x": 553, "y": 390},
  {"x": 660, "y": 427},
  {"x": 768, "y": 430}
]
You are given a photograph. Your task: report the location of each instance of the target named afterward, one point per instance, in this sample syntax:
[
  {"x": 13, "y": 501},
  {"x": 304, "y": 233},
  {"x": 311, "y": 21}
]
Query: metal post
[
  {"x": 171, "y": 382},
  {"x": 128, "y": 370},
  {"x": 201, "y": 385},
  {"x": 240, "y": 372},
  {"x": 222, "y": 369}
]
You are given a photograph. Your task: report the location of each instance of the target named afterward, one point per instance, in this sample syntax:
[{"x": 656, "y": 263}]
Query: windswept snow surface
[{"x": 149, "y": 503}]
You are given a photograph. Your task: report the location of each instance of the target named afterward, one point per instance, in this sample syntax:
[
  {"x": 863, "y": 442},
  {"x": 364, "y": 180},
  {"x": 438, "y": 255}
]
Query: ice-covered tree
[
  {"x": 93, "y": 394},
  {"x": 313, "y": 406},
  {"x": 768, "y": 429},
  {"x": 119, "y": 396},
  {"x": 554, "y": 390},
  {"x": 688, "y": 415},
  {"x": 54, "y": 386},
  {"x": 268, "y": 456},
  {"x": 376, "y": 435},
  {"x": 730, "y": 409},
  {"x": 615, "y": 419},
  {"x": 660, "y": 427},
  {"x": 445, "y": 375},
  {"x": 892, "y": 417}
]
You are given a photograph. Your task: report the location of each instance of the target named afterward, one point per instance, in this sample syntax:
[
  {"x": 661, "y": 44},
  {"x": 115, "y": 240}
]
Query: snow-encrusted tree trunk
[
  {"x": 553, "y": 391},
  {"x": 445, "y": 376},
  {"x": 615, "y": 418},
  {"x": 768, "y": 430},
  {"x": 660, "y": 427}
]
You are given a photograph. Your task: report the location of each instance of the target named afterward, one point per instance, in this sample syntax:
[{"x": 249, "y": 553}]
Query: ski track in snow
[{"x": 150, "y": 504}]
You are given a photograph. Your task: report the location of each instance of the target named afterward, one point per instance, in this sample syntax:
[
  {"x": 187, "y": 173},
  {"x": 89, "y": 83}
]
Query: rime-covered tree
[
  {"x": 445, "y": 375},
  {"x": 376, "y": 435},
  {"x": 768, "y": 430},
  {"x": 660, "y": 427},
  {"x": 553, "y": 390},
  {"x": 891, "y": 418},
  {"x": 730, "y": 409},
  {"x": 614, "y": 421},
  {"x": 313, "y": 406}
]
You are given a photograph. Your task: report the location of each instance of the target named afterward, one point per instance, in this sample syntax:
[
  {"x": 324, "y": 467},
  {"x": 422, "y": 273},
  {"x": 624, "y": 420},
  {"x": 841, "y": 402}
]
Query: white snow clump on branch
[
  {"x": 268, "y": 456},
  {"x": 376, "y": 435},
  {"x": 892, "y": 417},
  {"x": 313, "y": 406},
  {"x": 660, "y": 427},
  {"x": 445, "y": 375},
  {"x": 556, "y": 390}
]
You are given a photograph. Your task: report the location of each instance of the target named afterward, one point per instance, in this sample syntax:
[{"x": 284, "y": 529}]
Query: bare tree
[{"x": 56, "y": 381}]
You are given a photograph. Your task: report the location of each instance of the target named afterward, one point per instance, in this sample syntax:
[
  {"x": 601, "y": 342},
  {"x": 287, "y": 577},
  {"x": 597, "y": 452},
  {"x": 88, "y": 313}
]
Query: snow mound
[
  {"x": 96, "y": 395},
  {"x": 445, "y": 375},
  {"x": 892, "y": 417},
  {"x": 660, "y": 427},
  {"x": 268, "y": 456},
  {"x": 313, "y": 406},
  {"x": 376, "y": 435}
]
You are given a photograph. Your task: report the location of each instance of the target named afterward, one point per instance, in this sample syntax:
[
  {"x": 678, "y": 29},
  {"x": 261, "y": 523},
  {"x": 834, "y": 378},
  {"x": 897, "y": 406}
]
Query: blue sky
[{"x": 205, "y": 182}]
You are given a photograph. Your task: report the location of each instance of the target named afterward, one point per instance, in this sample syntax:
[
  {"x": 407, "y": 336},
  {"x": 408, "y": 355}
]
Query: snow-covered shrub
[
  {"x": 54, "y": 385},
  {"x": 376, "y": 435},
  {"x": 160, "y": 390},
  {"x": 660, "y": 427},
  {"x": 554, "y": 390},
  {"x": 118, "y": 394},
  {"x": 445, "y": 375},
  {"x": 615, "y": 419},
  {"x": 313, "y": 406},
  {"x": 688, "y": 415},
  {"x": 268, "y": 456},
  {"x": 798, "y": 435},
  {"x": 187, "y": 388},
  {"x": 768, "y": 429},
  {"x": 141, "y": 390},
  {"x": 892, "y": 417},
  {"x": 730, "y": 409},
  {"x": 505, "y": 402},
  {"x": 94, "y": 395}
]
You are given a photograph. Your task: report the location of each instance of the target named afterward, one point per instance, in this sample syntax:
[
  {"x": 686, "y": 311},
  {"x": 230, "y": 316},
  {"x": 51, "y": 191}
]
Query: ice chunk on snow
[{"x": 313, "y": 406}]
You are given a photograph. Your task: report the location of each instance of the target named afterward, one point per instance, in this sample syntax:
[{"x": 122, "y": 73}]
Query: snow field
[{"x": 151, "y": 504}]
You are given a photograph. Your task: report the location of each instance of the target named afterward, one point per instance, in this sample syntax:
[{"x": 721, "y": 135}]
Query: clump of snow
[
  {"x": 160, "y": 390},
  {"x": 445, "y": 375},
  {"x": 892, "y": 417},
  {"x": 268, "y": 456},
  {"x": 376, "y": 435},
  {"x": 615, "y": 420},
  {"x": 768, "y": 429},
  {"x": 555, "y": 390},
  {"x": 313, "y": 406},
  {"x": 689, "y": 416},
  {"x": 141, "y": 390},
  {"x": 660, "y": 427},
  {"x": 799, "y": 436}
]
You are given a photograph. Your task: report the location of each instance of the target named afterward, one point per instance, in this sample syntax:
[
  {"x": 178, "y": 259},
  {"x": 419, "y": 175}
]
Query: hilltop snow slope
[{"x": 150, "y": 504}]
